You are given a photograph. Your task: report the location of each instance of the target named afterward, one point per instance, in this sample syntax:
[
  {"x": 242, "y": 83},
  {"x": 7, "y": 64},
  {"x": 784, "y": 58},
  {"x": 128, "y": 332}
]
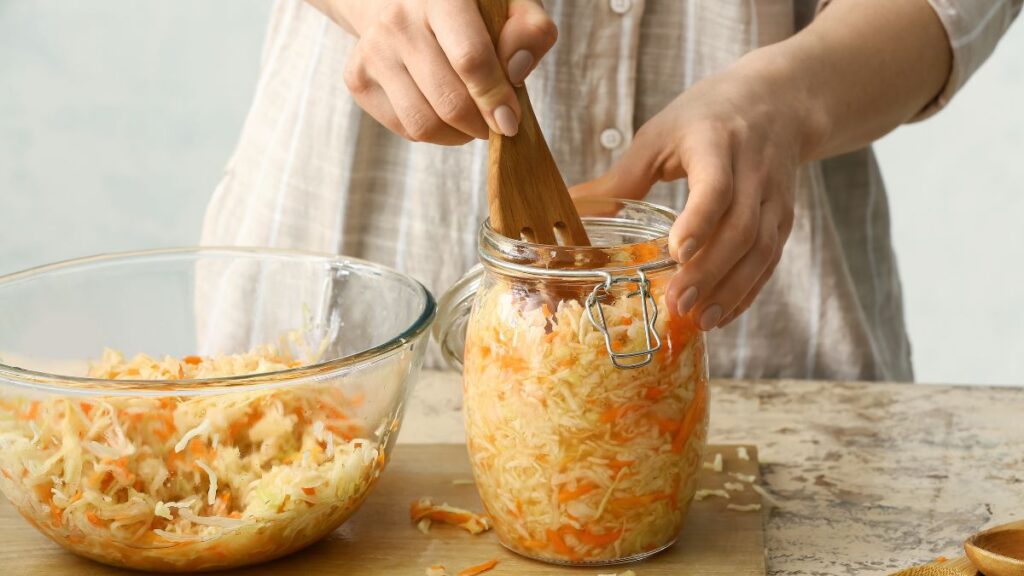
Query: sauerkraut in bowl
[
  {"x": 201, "y": 462},
  {"x": 580, "y": 459}
]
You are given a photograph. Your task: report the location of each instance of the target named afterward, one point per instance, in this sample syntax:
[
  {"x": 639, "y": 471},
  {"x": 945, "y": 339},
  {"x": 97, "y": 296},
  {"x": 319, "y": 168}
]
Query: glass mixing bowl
[{"x": 263, "y": 413}]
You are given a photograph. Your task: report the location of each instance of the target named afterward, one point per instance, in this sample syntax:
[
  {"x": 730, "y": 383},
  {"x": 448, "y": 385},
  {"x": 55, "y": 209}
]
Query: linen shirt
[{"x": 312, "y": 171}]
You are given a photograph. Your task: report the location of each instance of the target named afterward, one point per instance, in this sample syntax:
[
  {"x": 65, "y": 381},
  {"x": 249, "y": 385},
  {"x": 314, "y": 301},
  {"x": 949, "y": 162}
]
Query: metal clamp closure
[{"x": 650, "y": 316}]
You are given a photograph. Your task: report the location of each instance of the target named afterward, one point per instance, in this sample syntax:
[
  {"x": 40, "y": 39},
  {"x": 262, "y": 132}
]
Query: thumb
[
  {"x": 527, "y": 36},
  {"x": 630, "y": 178}
]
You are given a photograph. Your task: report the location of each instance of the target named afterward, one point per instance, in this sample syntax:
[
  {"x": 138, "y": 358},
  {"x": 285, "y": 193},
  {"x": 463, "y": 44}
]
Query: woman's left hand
[{"x": 738, "y": 138}]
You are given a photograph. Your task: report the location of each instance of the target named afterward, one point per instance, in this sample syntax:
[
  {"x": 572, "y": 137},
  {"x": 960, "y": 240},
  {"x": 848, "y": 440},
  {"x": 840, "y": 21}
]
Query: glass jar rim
[
  {"x": 45, "y": 382},
  {"x": 598, "y": 261}
]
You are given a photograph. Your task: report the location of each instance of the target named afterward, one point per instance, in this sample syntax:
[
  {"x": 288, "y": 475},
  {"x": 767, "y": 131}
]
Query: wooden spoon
[
  {"x": 998, "y": 551},
  {"x": 527, "y": 197}
]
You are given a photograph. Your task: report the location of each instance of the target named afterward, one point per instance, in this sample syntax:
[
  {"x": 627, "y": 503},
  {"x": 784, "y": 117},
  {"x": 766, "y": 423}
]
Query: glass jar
[{"x": 586, "y": 402}]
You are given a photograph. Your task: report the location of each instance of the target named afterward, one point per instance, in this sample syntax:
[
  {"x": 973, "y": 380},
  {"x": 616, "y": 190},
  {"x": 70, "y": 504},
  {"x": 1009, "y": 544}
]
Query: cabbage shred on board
[
  {"x": 187, "y": 482},
  {"x": 578, "y": 461}
]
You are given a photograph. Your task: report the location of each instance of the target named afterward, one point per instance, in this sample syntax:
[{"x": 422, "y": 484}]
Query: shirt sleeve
[{"x": 974, "y": 28}]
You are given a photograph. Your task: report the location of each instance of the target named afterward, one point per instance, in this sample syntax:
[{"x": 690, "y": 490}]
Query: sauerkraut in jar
[{"x": 586, "y": 401}]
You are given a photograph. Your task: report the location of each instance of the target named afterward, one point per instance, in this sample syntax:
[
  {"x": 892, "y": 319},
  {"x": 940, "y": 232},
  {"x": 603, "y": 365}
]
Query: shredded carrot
[
  {"x": 668, "y": 425},
  {"x": 654, "y": 393},
  {"x": 479, "y": 568},
  {"x": 55, "y": 515},
  {"x": 609, "y": 415},
  {"x": 644, "y": 252},
  {"x": 345, "y": 432},
  {"x": 335, "y": 412},
  {"x": 309, "y": 491},
  {"x": 694, "y": 415},
  {"x": 560, "y": 546},
  {"x": 200, "y": 451},
  {"x": 32, "y": 412},
  {"x": 223, "y": 501},
  {"x": 598, "y": 540},
  {"x": 172, "y": 460},
  {"x": 680, "y": 332},
  {"x": 941, "y": 559},
  {"x": 565, "y": 495},
  {"x": 193, "y": 360},
  {"x": 472, "y": 523},
  {"x": 617, "y": 465},
  {"x": 94, "y": 519}
]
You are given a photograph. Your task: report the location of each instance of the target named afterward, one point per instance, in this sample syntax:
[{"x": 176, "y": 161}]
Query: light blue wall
[
  {"x": 956, "y": 185},
  {"x": 116, "y": 119},
  {"x": 117, "y": 116}
]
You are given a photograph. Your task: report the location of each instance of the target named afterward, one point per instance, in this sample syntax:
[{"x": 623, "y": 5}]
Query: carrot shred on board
[
  {"x": 479, "y": 568},
  {"x": 425, "y": 508},
  {"x": 193, "y": 360}
]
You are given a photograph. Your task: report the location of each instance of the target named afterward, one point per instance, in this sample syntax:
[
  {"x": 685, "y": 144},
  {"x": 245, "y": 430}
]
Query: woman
[{"x": 757, "y": 115}]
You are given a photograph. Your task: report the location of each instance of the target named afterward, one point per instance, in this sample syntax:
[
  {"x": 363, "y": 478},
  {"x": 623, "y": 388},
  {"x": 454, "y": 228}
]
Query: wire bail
[{"x": 650, "y": 316}]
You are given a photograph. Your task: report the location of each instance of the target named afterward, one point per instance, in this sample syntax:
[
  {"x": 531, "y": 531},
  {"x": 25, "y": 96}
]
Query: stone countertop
[{"x": 868, "y": 477}]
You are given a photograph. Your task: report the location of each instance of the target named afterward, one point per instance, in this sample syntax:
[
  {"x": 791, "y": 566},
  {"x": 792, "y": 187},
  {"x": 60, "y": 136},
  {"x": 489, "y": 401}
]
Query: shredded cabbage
[
  {"x": 576, "y": 460},
  {"x": 184, "y": 483}
]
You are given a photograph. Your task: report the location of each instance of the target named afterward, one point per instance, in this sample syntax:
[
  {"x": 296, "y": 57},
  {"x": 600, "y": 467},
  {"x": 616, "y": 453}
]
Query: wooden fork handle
[{"x": 495, "y": 14}]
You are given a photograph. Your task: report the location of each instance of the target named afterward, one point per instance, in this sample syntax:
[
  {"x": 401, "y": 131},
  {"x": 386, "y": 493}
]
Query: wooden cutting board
[{"x": 380, "y": 539}]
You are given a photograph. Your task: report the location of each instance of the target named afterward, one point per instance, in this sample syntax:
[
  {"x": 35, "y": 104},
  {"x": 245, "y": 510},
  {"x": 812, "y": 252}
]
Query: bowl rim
[{"x": 83, "y": 385}]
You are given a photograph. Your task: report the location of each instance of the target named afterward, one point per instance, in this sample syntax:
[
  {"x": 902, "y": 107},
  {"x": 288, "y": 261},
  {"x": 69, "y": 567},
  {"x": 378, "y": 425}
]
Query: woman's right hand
[{"x": 428, "y": 70}]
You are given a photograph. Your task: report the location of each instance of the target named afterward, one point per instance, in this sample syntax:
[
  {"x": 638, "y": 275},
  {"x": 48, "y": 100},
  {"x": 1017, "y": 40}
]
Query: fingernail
[
  {"x": 687, "y": 300},
  {"x": 506, "y": 119},
  {"x": 709, "y": 319},
  {"x": 519, "y": 66},
  {"x": 686, "y": 252}
]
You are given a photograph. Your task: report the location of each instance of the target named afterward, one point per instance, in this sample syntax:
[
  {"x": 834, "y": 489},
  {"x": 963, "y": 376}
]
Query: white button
[
  {"x": 621, "y": 6},
  {"x": 611, "y": 138}
]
